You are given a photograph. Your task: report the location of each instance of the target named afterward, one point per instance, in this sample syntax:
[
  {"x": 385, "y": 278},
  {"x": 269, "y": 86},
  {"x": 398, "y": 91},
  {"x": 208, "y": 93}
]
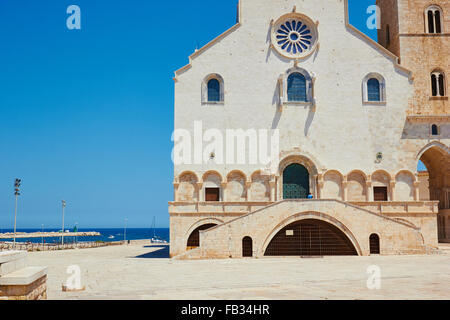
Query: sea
[{"x": 106, "y": 235}]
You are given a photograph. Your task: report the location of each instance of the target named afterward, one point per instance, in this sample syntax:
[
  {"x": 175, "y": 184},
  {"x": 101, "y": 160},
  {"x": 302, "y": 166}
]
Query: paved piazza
[{"x": 143, "y": 272}]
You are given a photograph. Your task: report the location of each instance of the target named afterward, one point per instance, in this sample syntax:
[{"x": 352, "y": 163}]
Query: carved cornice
[{"x": 429, "y": 118}]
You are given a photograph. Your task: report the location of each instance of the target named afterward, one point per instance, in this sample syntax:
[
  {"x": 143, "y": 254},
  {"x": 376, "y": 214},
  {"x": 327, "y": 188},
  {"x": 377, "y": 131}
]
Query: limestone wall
[
  {"x": 418, "y": 50},
  {"x": 395, "y": 237},
  {"x": 341, "y": 132}
]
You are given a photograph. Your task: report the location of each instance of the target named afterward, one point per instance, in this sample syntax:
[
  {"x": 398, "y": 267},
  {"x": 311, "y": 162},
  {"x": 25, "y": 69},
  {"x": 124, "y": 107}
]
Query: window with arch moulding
[
  {"x": 296, "y": 87},
  {"x": 433, "y": 20},
  {"x": 438, "y": 84},
  {"x": 213, "y": 89},
  {"x": 374, "y": 89}
]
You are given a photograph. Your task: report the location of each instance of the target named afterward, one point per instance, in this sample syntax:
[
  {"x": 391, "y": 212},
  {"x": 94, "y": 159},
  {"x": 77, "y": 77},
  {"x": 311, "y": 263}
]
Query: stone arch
[
  {"x": 260, "y": 187},
  {"x": 212, "y": 176},
  {"x": 236, "y": 186},
  {"x": 332, "y": 188},
  {"x": 434, "y": 144},
  {"x": 436, "y": 158},
  {"x": 357, "y": 186},
  {"x": 212, "y": 189},
  {"x": 204, "y": 92},
  {"x": 301, "y": 160},
  {"x": 382, "y": 179},
  {"x": 405, "y": 186},
  {"x": 187, "y": 190},
  {"x": 309, "y": 162},
  {"x": 203, "y": 222},
  {"x": 311, "y": 215}
]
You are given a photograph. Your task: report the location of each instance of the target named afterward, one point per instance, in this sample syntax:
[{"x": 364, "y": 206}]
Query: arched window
[
  {"x": 213, "y": 90},
  {"x": 247, "y": 247},
  {"x": 434, "y": 130},
  {"x": 374, "y": 244},
  {"x": 437, "y": 84},
  {"x": 296, "y": 88},
  {"x": 433, "y": 19},
  {"x": 373, "y": 90}
]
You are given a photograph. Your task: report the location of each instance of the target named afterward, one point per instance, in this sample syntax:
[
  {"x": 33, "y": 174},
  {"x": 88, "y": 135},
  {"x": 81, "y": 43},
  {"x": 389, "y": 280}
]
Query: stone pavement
[{"x": 144, "y": 272}]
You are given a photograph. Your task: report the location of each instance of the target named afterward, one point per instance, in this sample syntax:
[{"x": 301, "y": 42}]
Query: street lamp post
[
  {"x": 17, "y": 194},
  {"x": 42, "y": 233},
  {"x": 63, "y": 207},
  {"x": 125, "y": 231}
]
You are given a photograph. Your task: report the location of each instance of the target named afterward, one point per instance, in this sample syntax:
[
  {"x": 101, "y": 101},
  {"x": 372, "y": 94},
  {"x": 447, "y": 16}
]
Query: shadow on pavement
[
  {"x": 157, "y": 246},
  {"x": 161, "y": 253}
]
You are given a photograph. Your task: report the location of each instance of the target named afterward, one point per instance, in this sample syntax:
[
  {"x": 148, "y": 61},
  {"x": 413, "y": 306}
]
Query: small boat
[
  {"x": 111, "y": 237},
  {"x": 155, "y": 238}
]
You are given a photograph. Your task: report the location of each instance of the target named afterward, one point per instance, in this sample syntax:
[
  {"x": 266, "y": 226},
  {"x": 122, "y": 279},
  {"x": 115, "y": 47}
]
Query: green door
[{"x": 295, "y": 182}]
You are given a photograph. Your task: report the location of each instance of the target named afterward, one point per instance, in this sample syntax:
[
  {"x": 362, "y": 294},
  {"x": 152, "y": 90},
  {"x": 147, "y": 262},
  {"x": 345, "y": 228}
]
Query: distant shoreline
[
  {"x": 53, "y": 235},
  {"x": 24, "y": 235}
]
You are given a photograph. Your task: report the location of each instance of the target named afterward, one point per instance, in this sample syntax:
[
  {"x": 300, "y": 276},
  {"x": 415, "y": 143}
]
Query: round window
[{"x": 294, "y": 36}]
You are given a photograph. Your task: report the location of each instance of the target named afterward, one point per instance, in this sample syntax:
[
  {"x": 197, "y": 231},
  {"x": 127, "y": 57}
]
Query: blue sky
[{"x": 87, "y": 115}]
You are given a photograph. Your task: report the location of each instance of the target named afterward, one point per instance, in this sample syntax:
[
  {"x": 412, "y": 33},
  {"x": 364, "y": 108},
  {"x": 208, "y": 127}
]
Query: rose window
[{"x": 294, "y": 36}]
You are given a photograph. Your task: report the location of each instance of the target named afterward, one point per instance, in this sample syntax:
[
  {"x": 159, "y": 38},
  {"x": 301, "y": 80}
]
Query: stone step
[
  {"x": 23, "y": 277},
  {"x": 8, "y": 256},
  {"x": 444, "y": 247},
  {"x": 11, "y": 266}
]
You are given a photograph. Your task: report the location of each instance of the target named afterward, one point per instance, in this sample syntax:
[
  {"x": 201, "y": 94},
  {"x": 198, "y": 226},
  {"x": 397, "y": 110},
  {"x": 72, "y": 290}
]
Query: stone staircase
[
  {"x": 18, "y": 281},
  {"x": 444, "y": 248},
  {"x": 225, "y": 241}
]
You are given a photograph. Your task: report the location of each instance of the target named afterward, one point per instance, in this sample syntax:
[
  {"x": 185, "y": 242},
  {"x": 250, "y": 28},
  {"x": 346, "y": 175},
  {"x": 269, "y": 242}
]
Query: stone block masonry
[{"x": 19, "y": 282}]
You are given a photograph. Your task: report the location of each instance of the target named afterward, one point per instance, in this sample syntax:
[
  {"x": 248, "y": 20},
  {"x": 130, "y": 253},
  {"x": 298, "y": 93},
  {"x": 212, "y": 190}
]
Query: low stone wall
[
  {"x": 19, "y": 282},
  {"x": 31, "y": 247},
  {"x": 37, "y": 290}
]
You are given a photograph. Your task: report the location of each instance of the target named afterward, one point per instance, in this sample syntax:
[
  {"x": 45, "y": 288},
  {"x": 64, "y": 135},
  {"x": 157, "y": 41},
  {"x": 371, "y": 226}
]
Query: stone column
[
  {"x": 201, "y": 193},
  {"x": 392, "y": 187},
  {"x": 276, "y": 189},
  {"x": 273, "y": 185},
  {"x": 369, "y": 191},
  {"x": 175, "y": 191},
  {"x": 279, "y": 188},
  {"x": 223, "y": 192},
  {"x": 416, "y": 191},
  {"x": 344, "y": 189},
  {"x": 320, "y": 184},
  {"x": 248, "y": 185}
]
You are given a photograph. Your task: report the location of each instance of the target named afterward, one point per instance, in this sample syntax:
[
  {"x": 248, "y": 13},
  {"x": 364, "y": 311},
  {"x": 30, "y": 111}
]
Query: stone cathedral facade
[{"x": 354, "y": 118}]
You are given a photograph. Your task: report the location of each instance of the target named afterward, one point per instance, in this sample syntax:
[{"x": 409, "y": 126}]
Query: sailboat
[{"x": 155, "y": 238}]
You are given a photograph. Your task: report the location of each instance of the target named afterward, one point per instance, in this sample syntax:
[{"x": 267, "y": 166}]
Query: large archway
[
  {"x": 194, "y": 238},
  {"x": 310, "y": 237},
  {"x": 296, "y": 182},
  {"x": 436, "y": 159}
]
